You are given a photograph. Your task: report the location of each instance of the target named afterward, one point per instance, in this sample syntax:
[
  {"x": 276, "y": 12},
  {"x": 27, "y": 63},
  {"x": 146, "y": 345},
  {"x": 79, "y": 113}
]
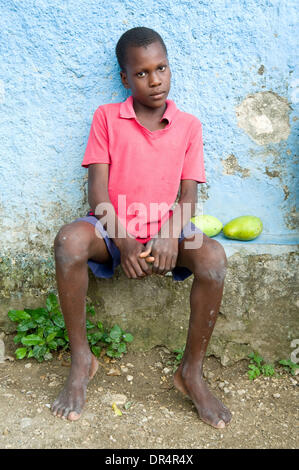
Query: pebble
[
  {"x": 166, "y": 350},
  {"x": 27, "y": 366},
  {"x": 276, "y": 395},
  {"x": 124, "y": 369},
  {"x": 129, "y": 364},
  {"x": 53, "y": 384},
  {"x": 209, "y": 375},
  {"x": 159, "y": 365},
  {"x": 116, "y": 398},
  {"x": 113, "y": 371},
  {"x": 166, "y": 411},
  {"x": 130, "y": 378},
  {"x": 241, "y": 392},
  {"x": 2, "y": 350},
  {"x": 25, "y": 422},
  {"x": 166, "y": 370},
  {"x": 226, "y": 390},
  {"x": 221, "y": 385}
]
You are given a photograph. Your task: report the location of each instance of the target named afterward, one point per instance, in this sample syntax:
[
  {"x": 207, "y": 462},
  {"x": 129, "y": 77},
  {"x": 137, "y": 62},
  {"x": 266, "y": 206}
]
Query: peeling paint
[
  {"x": 292, "y": 218},
  {"x": 261, "y": 70},
  {"x": 264, "y": 116},
  {"x": 272, "y": 174},
  {"x": 231, "y": 166},
  {"x": 286, "y": 192},
  {"x": 203, "y": 193}
]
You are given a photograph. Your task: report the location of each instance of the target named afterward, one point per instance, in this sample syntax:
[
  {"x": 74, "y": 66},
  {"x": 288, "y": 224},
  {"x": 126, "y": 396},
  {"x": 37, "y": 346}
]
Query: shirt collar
[{"x": 127, "y": 110}]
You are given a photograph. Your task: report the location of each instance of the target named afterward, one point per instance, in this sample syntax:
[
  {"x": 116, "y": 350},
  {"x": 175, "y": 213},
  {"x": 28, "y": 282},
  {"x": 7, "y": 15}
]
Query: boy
[{"x": 141, "y": 150}]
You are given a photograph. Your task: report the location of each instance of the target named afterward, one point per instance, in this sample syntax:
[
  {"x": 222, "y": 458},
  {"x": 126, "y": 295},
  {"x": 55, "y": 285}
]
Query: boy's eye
[{"x": 162, "y": 68}]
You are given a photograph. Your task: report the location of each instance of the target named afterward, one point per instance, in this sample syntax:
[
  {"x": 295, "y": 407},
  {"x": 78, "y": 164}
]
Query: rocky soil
[{"x": 154, "y": 415}]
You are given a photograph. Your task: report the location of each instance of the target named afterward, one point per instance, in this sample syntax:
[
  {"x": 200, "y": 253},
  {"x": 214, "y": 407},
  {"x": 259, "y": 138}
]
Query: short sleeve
[
  {"x": 97, "y": 149},
  {"x": 193, "y": 167}
]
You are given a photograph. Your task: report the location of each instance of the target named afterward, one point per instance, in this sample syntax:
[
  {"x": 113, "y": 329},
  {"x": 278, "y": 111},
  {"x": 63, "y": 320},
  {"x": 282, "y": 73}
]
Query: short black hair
[{"x": 138, "y": 37}]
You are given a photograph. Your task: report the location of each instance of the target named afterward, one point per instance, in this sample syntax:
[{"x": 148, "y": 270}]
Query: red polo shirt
[{"x": 145, "y": 167}]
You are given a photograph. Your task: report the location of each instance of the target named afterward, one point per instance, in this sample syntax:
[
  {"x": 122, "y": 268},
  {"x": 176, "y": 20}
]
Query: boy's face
[{"x": 147, "y": 74}]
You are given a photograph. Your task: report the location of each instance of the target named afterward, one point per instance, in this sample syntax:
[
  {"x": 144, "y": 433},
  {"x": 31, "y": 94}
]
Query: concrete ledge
[{"x": 259, "y": 310}]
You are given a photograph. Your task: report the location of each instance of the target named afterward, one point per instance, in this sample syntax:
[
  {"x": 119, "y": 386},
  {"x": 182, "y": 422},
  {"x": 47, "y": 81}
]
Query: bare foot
[
  {"x": 209, "y": 408},
  {"x": 71, "y": 399}
]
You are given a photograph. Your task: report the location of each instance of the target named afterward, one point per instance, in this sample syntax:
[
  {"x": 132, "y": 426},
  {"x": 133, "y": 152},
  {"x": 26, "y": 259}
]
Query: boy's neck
[{"x": 147, "y": 112}]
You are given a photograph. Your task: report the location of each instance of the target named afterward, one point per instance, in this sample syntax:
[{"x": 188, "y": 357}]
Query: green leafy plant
[
  {"x": 116, "y": 340},
  {"x": 289, "y": 366},
  {"x": 178, "y": 357},
  {"x": 257, "y": 366},
  {"x": 42, "y": 330}
]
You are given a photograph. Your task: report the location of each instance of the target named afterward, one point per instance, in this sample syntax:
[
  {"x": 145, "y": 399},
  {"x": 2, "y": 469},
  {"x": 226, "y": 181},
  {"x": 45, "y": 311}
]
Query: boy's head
[{"x": 142, "y": 57}]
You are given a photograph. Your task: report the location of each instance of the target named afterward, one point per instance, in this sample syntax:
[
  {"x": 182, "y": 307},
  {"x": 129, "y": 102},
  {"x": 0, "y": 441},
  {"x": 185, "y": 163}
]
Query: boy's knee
[
  {"x": 214, "y": 266},
  {"x": 70, "y": 245}
]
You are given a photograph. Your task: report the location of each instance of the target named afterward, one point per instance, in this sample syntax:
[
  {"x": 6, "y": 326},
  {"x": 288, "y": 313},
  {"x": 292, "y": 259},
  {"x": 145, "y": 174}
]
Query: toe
[
  {"x": 74, "y": 416},
  {"x": 66, "y": 412},
  {"x": 60, "y": 412},
  {"x": 226, "y": 416},
  {"x": 54, "y": 406},
  {"x": 220, "y": 424}
]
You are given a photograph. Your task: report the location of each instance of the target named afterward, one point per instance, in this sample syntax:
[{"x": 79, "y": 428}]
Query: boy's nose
[{"x": 154, "y": 80}]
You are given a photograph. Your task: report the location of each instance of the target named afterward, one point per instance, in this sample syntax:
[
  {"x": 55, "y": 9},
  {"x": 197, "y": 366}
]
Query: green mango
[
  {"x": 208, "y": 224},
  {"x": 245, "y": 227}
]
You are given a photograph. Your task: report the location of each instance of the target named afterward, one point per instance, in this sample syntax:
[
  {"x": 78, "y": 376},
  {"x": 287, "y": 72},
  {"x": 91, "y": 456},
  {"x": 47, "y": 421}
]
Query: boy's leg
[
  {"x": 208, "y": 264},
  {"x": 74, "y": 244}
]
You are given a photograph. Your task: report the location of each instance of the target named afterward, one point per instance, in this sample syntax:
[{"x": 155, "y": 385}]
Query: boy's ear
[{"x": 124, "y": 79}]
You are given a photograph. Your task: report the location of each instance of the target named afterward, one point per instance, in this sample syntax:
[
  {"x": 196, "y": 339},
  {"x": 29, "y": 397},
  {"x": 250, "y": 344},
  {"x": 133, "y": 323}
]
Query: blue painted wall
[{"x": 58, "y": 65}]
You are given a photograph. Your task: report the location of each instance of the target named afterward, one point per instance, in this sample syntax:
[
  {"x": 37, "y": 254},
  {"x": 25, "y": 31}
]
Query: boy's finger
[
  {"x": 156, "y": 265},
  {"x": 147, "y": 250},
  {"x": 146, "y": 267},
  {"x": 150, "y": 259},
  {"x": 140, "y": 266}
]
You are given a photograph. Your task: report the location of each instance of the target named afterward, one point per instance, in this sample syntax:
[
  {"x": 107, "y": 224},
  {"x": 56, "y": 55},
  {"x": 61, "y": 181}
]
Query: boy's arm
[
  {"x": 174, "y": 225},
  {"x": 129, "y": 248},
  {"x": 98, "y": 193}
]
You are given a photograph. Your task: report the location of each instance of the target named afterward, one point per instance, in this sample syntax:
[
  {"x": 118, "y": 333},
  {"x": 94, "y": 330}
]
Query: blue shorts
[{"x": 106, "y": 270}]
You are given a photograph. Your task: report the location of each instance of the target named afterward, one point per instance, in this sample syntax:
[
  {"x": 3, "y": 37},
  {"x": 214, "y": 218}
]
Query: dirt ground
[{"x": 156, "y": 415}]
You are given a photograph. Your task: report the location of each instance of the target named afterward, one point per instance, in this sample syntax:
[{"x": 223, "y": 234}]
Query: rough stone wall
[{"x": 259, "y": 309}]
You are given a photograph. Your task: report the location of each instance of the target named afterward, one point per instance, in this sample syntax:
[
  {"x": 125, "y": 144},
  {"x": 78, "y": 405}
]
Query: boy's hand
[
  {"x": 164, "y": 253},
  {"x": 134, "y": 266}
]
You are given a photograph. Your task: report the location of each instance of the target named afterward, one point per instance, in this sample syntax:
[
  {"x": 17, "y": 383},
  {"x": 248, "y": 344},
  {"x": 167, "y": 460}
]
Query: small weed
[
  {"x": 258, "y": 367},
  {"x": 42, "y": 330},
  {"x": 176, "y": 361},
  {"x": 289, "y": 366}
]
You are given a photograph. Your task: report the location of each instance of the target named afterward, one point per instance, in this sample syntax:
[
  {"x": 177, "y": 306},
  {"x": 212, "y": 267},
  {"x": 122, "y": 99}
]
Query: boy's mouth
[{"x": 157, "y": 96}]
